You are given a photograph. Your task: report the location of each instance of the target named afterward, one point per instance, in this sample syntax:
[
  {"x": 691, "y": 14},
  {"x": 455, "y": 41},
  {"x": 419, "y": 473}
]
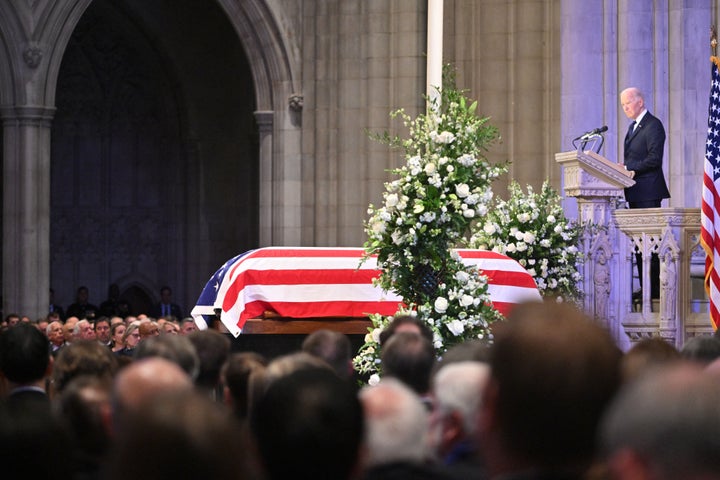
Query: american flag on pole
[
  {"x": 313, "y": 282},
  {"x": 710, "y": 216}
]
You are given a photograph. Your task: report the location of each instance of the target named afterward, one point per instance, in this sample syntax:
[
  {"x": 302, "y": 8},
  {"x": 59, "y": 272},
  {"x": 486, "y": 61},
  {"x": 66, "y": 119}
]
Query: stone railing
[{"x": 612, "y": 241}]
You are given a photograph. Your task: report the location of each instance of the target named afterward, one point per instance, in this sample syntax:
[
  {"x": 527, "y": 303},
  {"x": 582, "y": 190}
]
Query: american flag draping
[
  {"x": 710, "y": 216},
  {"x": 326, "y": 282}
]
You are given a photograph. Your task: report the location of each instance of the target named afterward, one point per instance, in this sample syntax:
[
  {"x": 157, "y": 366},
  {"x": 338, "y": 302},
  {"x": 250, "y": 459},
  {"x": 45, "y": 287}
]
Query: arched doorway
[{"x": 154, "y": 149}]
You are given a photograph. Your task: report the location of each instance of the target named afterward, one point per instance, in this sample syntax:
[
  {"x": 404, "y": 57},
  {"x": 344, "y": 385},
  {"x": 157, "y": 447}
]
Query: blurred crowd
[{"x": 549, "y": 396}]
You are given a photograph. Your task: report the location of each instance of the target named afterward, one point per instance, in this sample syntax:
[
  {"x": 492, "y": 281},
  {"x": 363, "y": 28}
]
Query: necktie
[{"x": 631, "y": 128}]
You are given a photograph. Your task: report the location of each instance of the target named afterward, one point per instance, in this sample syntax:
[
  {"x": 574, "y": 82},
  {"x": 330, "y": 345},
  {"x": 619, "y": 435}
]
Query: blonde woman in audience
[{"x": 130, "y": 339}]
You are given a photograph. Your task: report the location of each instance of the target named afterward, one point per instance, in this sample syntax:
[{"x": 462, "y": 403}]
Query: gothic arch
[{"x": 272, "y": 60}]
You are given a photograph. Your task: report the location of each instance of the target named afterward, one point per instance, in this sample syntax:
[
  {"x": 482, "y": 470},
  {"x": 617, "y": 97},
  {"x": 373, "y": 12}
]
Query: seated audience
[
  {"x": 85, "y": 357},
  {"x": 117, "y": 330},
  {"x": 647, "y": 354},
  {"x": 409, "y": 357},
  {"x": 334, "y": 348},
  {"x": 396, "y": 424},
  {"x": 130, "y": 340},
  {"x": 236, "y": 377},
  {"x": 308, "y": 425},
  {"x": 457, "y": 390},
  {"x": 213, "y": 349},
  {"x": 406, "y": 323},
  {"x": 702, "y": 349},
  {"x": 665, "y": 427},
  {"x": 181, "y": 435},
  {"x": 175, "y": 348},
  {"x": 553, "y": 372}
]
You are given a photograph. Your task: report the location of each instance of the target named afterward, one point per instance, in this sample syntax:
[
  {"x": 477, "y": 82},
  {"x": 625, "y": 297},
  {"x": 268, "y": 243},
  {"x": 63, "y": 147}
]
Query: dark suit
[
  {"x": 175, "y": 311},
  {"x": 644, "y": 156}
]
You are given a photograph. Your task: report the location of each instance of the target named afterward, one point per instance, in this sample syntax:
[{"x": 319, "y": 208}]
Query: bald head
[{"x": 144, "y": 380}]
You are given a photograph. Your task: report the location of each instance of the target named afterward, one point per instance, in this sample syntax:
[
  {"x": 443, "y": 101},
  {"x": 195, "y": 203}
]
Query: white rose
[
  {"x": 472, "y": 199},
  {"x": 446, "y": 137},
  {"x": 441, "y": 305},
  {"x": 532, "y": 272},
  {"x": 521, "y": 246},
  {"x": 375, "y": 334},
  {"x": 374, "y": 379},
  {"x": 456, "y": 327},
  {"x": 558, "y": 229},
  {"x": 510, "y": 247},
  {"x": 378, "y": 227},
  {"x": 469, "y": 213},
  {"x": 545, "y": 243},
  {"x": 529, "y": 237},
  {"x": 466, "y": 160},
  {"x": 462, "y": 277},
  {"x": 524, "y": 217},
  {"x": 391, "y": 200},
  {"x": 462, "y": 190},
  {"x": 551, "y": 218},
  {"x": 466, "y": 300},
  {"x": 450, "y": 169},
  {"x": 430, "y": 168},
  {"x": 519, "y": 235},
  {"x": 489, "y": 228}
]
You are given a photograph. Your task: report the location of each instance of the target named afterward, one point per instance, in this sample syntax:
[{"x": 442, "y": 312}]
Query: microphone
[{"x": 592, "y": 133}]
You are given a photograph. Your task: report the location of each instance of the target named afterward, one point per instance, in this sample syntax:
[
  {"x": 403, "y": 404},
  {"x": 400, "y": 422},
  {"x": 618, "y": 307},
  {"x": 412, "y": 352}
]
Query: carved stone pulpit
[{"x": 597, "y": 183}]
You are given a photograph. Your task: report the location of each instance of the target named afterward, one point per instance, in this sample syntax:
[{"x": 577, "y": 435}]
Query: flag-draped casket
[{"x": 310, "y": 282}]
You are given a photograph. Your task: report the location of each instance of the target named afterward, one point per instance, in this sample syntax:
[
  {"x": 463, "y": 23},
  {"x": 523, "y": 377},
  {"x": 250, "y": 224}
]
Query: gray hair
[
  {"x": 670, "y": 417},
  {"x": 396, "y": 423},
  {"x": 458, "y": 387}
]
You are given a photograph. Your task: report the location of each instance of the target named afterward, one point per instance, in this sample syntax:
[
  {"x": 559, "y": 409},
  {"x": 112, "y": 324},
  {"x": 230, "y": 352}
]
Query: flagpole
[{"x": 434, "y": 52}]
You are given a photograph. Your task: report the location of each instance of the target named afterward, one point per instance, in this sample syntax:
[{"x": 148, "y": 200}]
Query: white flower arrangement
[
  {"x": 428, "y": 210},
  {"x": 532, "y": 229}
]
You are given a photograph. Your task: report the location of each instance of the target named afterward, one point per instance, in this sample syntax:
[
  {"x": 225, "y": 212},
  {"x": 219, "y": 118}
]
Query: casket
[{"x": 300, "y": 289}]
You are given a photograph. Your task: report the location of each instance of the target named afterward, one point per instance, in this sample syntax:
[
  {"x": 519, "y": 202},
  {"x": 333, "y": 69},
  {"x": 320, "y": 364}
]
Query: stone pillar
[
  {"x": 26, "y": 209},
  {"x": 264, "y": 121}
]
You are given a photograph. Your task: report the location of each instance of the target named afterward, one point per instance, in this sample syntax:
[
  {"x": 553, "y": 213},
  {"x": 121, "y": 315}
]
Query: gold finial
[{"x": 713, "y": 40}]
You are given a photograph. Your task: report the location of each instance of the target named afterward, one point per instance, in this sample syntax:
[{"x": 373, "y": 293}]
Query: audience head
[
  {"x": 12, "y": 319},
  {"x": 308, "y": 425},
  {"x": 143, "y": 382},
  {"x": 131, "y": 337},
  {"x": 410, "y": 358},
  {"x": 396, "y": 423},
  {"x": 702, "y": 349},
  {"x": 665, "y": 426},
  {"x": 85, "y": 357},
  {"x": 180, "y": 435},
  {"x": 84, "y": 330},
  {"x": 457, "y": 391},
  {"x": 148, "y": 329},
  {"x": 102, "y": 330},
  {"x": 553, "y": 372},
  {"x": 178, "y": 350},
  {"x": 85, "y": 410},
  {"x": 117, "y": 330},
  {"x": 187, "y": 326},
  {"x": 212, "y": 348},
  {"x": 646, "y": 354},
  {"x": 333, "y": 347},
  {"x": 54, "y": 333},
  {"x": 236, "y": 378},
  {"x": 69, "y": 328},
  {"x": 406, "y": 323},
  {"x": 24, "y": 356}
]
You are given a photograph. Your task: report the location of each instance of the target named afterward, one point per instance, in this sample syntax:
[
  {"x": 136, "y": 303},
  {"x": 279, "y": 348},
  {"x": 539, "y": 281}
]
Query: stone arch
[{"x": 274, "y": 62}]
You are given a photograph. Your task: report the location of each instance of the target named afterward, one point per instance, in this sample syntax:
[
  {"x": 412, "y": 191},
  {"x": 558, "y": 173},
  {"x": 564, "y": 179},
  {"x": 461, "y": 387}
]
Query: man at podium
[{"x": 644, "y": 144}]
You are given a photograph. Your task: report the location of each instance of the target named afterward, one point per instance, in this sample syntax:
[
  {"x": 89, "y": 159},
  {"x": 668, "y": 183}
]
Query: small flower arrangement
[
  {"x": 532, "y": 229},
  {"x": 443, "y": 188}
]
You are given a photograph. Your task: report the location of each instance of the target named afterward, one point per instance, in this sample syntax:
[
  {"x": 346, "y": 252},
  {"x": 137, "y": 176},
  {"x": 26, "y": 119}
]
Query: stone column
[
  {"x": 264, "y": 121},
  {"x": 26, "y": 209}
]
